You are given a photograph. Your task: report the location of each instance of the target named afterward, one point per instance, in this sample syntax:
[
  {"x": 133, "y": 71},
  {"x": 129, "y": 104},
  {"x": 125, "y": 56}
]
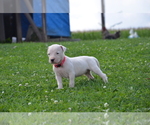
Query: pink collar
[{"x": 59, "y": 65}]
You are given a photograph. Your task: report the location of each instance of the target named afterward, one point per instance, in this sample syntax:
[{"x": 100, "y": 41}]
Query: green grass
[
  {"x": 27, "y": 82},
  {"x": 95, "y": 35}
]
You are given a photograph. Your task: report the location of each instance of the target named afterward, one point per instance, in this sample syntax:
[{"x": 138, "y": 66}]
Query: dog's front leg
[
  {"x": 71, "y": 80},
  {"x": 59, "y": 81}
]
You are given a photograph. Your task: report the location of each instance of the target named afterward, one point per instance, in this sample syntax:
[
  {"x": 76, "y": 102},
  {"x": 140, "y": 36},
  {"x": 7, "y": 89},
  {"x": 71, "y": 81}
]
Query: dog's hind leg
[
  {"x": 98, "y": 71},
  {"x": 89, "y": 74}
]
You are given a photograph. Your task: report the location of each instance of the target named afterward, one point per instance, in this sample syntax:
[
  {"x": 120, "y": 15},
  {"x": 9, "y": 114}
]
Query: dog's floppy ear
[{"x": 63, "y": 48}]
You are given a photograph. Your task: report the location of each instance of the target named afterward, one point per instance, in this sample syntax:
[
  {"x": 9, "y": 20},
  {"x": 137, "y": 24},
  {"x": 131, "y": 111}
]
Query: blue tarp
[
  {"x": 24, "y": 25},
  {"x": 57, "y": 17},
  {"x": 57, "y": 24},
  {"x": 52, "y": 6}
]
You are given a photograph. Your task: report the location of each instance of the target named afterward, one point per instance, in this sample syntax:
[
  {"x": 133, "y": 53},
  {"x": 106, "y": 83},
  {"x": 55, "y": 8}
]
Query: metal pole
[
  {"x": 18, "y": 20},
  {"x": 36, "y": 30},
  {"x": 44, "y": 20},
  {"x": 103, "y": 15},
  {"x": 19, "y": 29},
  {"x": 29, "y": 6},
  {"x": 103, "y": 6},
  {"x": 2, "y": 28},
  {"x": 1, "y": 6}
]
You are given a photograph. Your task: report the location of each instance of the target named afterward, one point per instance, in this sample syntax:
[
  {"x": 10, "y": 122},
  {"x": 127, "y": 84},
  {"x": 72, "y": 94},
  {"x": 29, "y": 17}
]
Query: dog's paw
[
  {"x": 60, "y": 88},
  {"x": 105, "y": 78},
  {"x": 71, "y": 86}
]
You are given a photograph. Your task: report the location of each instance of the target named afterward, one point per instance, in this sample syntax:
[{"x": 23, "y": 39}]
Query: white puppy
[{"x": 67, "y": 67}]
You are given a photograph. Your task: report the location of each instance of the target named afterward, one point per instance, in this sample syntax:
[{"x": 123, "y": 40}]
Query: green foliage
[
  {"x": 27, "y": 82},
  {"x": 8, "y": 40},
  {"x": 94, "y": 35}
]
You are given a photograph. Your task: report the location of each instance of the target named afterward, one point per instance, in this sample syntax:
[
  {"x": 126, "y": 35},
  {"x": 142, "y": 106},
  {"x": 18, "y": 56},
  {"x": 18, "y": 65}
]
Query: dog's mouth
[
  {"x": 59, "y": 64},
  {"x": 53, "y": 61}
]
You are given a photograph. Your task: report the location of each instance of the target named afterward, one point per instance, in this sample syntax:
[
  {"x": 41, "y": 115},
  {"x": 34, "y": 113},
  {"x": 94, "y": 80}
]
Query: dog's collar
[{"x": 59, "y": 65}]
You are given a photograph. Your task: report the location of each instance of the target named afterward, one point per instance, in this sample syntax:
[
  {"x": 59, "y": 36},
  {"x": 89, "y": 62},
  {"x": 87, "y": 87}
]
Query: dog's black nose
[{"x": 52, "y": 60}]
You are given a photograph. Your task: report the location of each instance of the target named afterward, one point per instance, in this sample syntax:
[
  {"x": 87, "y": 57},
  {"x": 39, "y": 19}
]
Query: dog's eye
[
  {"x": 48, "y": 54},
  {"x": 57, "y": 53}
]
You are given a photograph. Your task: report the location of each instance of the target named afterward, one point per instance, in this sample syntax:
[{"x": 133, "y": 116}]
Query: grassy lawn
[{"x": 27, "y": 82}]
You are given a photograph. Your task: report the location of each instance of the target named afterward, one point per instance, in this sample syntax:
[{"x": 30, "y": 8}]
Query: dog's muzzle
[
  {"x": 52, "y": 60},
  {"x": 61, "y": 64}
]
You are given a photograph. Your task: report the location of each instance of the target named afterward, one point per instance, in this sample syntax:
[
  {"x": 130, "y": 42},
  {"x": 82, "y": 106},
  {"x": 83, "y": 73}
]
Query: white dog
[{"x": 67, "y": 67}]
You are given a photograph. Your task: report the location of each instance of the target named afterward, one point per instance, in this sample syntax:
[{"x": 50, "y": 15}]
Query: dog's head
[{"x": 55, "y": 53}]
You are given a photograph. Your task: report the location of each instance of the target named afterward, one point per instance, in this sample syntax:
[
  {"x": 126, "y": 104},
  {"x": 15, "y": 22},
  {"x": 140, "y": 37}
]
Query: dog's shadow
[
  {"x": 82, "y": 82},
  {"x": 92, "y": 83}
]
